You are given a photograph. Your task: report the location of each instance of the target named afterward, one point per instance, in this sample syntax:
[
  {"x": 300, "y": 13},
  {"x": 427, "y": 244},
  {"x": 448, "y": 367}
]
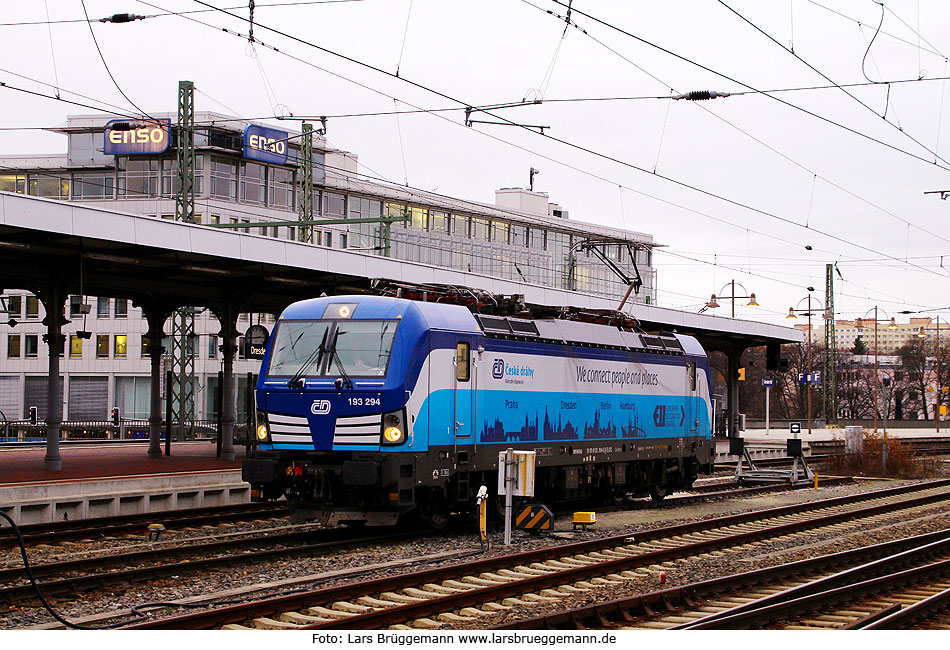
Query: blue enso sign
[
  {"x": 123, "y": 137},
  {"x": 266, "y": 145}
]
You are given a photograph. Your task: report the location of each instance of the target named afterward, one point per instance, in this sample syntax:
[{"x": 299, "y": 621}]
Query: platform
[{"x": 105, "y": 480}]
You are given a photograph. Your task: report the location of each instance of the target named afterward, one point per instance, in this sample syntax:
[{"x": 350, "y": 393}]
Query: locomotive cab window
[
  {"x": 692, "y": 375},
  {"x": 462, "y": 356}
]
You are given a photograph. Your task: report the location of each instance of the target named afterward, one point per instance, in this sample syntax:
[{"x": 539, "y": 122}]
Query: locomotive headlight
[
  {"x": 393, "y": 435},
  {"x": 262, "y": 432},
  {"x": 394, "y": 430}
]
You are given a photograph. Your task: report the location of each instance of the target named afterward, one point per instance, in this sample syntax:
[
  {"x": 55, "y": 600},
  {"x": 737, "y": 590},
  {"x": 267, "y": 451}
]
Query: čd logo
[{"x": 498, "y": 369}]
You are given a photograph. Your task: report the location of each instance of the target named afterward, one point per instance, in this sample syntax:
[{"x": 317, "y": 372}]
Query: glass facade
[{"x": 452, "y": 235}]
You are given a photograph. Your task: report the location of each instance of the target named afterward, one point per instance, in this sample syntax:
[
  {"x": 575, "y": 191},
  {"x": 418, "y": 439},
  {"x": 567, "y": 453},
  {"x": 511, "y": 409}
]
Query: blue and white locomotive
[{"x": 373, "y": 408}]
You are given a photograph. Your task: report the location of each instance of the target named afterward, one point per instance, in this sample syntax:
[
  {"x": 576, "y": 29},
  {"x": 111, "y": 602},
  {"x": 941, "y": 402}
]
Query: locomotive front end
[{"x": 334, "y": 435}]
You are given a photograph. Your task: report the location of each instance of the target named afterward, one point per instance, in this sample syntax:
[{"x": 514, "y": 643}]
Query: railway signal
[
  {"x": 34, "y": 417},
  {"x": 115, "y": 416}
]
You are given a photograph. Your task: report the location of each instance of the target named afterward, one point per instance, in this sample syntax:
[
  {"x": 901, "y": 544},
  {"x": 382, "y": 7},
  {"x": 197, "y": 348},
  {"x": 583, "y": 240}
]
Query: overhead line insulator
[{"x": 701, "y": 95}]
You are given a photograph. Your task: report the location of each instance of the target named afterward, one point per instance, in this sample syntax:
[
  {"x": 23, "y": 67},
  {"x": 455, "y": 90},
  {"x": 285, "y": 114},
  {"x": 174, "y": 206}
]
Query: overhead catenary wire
[
  {"x": 769, "y": 147},
  {"x": 421, "y": 86},
  {"x": 828, "y": 79},
  {"x": 757, "y": 91}
]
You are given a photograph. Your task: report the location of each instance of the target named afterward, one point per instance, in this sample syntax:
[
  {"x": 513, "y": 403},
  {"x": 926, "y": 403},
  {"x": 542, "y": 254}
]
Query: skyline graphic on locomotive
[{"x": 371, "y": 408}]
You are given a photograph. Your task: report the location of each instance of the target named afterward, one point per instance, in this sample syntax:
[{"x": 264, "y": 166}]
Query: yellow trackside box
[{"x": 585, "y": 518}]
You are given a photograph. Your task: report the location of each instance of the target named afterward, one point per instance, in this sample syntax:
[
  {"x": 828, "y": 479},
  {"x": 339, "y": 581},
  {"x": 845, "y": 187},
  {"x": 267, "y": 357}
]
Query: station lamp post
[
  {"x": 793, "y": 312},
  {"x": 891, "y": 325},
  {"x": 712, "y": 304},
  {"x": 922, "y": 333}
]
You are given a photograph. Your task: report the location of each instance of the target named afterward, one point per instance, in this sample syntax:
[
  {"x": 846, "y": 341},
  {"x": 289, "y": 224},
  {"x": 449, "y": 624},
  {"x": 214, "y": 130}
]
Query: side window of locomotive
[
  {"x": 692, "y": 375},
  {"x": 462, "y": 366}
]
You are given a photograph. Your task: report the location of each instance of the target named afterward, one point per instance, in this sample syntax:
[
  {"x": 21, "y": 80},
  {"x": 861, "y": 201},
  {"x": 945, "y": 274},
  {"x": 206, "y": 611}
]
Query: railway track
[
  {"x": 137, "y": 524},
  {"x": 161, "y": 560},
  {"x": 147, "y": 564},
  {"x": 853, "y": 589},
  {"x": 473, "y": 589}
]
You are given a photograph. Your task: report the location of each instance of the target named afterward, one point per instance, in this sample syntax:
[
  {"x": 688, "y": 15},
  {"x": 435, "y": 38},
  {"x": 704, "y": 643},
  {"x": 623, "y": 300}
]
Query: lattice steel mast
[
  {"x": 182, "y": 390},
  {"x": 830, "y": 392}
]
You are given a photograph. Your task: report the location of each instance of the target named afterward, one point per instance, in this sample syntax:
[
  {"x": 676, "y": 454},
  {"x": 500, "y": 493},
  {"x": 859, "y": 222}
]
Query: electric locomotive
[{"x": 373, "y": 409}]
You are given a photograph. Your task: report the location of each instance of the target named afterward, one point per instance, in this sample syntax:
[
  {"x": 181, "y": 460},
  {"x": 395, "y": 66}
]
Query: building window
[
  {"x": 438, "y": 221},
  {"x": 93, "y": 186},
  {"x": 420, "y": 219},
  {"x": 15, "y": 183},
  {"x": 14, "y": 306},
  {"x": 138, "y": 177},
  {"x": 102, "y": 346},
  {"x": 76, "y": 305},
  {"x": 13, "y": 346},
  {"x": 334, "y": 205},
  {"x": 121, "y": 308},
  {"x": 121, "y": 346},
  {"x": 500, "y": 232},
  {"x": 223, "y": 178},
  {"x": 519, "y": 235},
  {"x": 281, "y": 187},
  {"x": 253, "y": 183},
  {"x": 363, "y": 234},
  {"x": 212, "y": 347},
  {"x": 32, "y": 307},
  {"x": 102, "y": 308},
  {"x": 75, "y": 347},
  {"x": 480, "y": 229},
  {"x": 49, "y": 186},
  {"x": 31, "y": 346}
]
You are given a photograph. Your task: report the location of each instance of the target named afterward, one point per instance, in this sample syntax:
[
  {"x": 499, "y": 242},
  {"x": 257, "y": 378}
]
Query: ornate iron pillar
[
  {"x": 53, "y": 297},
  {"x": 156, "y": 316},
  {"x": 227, "y": 314},
  {"x": 732, "y": 392}
]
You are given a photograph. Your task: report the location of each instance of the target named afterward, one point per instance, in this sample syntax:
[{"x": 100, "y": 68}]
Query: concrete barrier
[{"x": 33, "y": 503}]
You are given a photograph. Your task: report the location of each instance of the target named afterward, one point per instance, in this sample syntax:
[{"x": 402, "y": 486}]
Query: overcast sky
[{"x": 734, "y": 188}]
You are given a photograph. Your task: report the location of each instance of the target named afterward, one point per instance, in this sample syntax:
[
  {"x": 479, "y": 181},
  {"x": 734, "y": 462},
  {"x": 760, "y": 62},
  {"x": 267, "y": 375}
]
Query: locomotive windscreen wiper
[
  {"x": 314, "y": 357},
  {"x": 334, "y": 356}
]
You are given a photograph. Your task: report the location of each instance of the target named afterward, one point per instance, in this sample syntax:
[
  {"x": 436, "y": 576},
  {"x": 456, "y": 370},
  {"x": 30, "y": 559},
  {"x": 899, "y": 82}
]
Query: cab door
[
  {"x": 463, "y": 394},
  {"x": 692, "y": 384}
]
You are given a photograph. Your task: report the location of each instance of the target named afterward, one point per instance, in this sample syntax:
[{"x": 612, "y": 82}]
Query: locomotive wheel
[
  {"x": 437, "y": 515},
  {"x": 657, "y": 492}
]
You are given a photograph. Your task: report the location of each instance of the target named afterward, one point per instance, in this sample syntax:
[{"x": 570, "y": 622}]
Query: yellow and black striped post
[{"x": 534, "y": 518}]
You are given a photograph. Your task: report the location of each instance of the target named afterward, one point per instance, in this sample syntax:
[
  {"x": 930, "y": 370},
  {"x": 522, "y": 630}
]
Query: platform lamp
[
  {"x": 891, "y": 325},
  {"x": 712, "y": 304},
  {"x": 793, "y": 312}
]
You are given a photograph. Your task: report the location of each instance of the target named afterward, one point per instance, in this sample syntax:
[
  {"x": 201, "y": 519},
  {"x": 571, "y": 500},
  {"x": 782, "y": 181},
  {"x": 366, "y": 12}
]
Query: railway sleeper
[
  {"x": 264, "y": 623},
  {"x": 375, "y": 603},
  {"x": 424, "y": 594},
  {"x": 403, "y": 598},
  {"x": 352, "y": 608},
  {"x": 494, "y": 577},
  {"x": 303, "y": 619},
  {"x": 481, "y": 582},
  {"x": 329, "y": 613},
  {"x": 474, "y": 611}
]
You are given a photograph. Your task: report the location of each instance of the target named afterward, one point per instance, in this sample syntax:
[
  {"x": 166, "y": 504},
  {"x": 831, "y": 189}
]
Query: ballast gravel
[{"x": 383, "y": 559}]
